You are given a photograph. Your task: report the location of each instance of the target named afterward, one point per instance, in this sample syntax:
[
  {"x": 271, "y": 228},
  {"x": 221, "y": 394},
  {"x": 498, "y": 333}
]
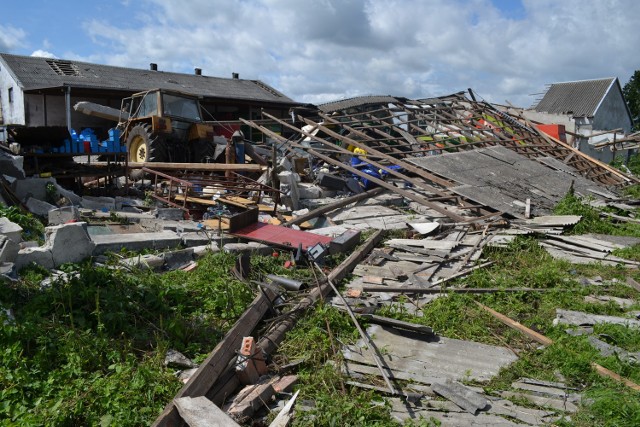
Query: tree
[{"x": 631, "y": 93}]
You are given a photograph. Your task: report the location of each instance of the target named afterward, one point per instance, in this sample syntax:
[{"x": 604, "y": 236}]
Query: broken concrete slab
[
  {"x": 289, "y": 188},
  {"x": 8, "y": 272},
  {"x": 60, "y": 238},
  {"x": 12, "y": 165},
  {"x": 39, "y": 207},
  {"x": 32, "y": 187},
  {"x": 175, "y": 359},
  {"x": 171, "y": 214},
  {"x": 606, "y": 349},
  {"x": 10, "y": 229},
  {"x": 196, "y": 238},
  {"x": 104, "y": 204},
  {"x": 8, "y": 249},
  {"x": 63, "y": 215},
  {"x": 250, "y": 247},
  {"x": 311, "y": 191},
  {"x": 35, "y": 255},
  {"x": 177, "y": 259},
  {"x": 135, "y": 241},
  {"x": 200, "y": 251},
  {"x": 148, "y": 261}
]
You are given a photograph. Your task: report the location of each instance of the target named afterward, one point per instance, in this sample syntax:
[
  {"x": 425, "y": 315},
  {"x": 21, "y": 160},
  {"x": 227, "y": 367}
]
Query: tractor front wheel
[{"x": 145, "y": 146}]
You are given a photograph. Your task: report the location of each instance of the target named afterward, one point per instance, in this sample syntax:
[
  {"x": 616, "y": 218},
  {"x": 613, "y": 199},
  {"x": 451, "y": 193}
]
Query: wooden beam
[
  {"x": 333, "y": 206},
  {"x": 601, "y": 370},
  {"x": 208, "y": 167},
  {"x": 269, "y": 343},
  {"x": 407, "y": 194},
  {"x": 209, "y": 371}
]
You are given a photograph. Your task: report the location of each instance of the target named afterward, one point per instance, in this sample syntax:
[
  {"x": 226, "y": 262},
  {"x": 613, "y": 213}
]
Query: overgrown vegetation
[
  {"x": 32, "y": 228},
  {"x": 89, "y": 350}
]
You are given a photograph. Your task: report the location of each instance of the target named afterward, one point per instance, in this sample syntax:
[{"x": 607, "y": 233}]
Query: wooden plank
[
  {"x": 516, "y": 325},
  {"x": 201, "y": 412},
  {"x": 210, "y": 167},
  {"x": 421, "y": 290},
  {"x": 251, "y": 402},
  {"x": 601, "y": 370},
  {"x": 217, "y": 361}
]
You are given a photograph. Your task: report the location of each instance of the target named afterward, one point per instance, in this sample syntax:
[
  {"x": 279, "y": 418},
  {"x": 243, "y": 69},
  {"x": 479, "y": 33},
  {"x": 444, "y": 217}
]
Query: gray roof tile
[
  {"x": 35, "y": 73},
  {"x": 580, "y": 98}
]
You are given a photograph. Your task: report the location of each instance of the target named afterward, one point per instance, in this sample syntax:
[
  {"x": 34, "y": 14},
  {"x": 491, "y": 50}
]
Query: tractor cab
[{"x": 165, "y": 126}]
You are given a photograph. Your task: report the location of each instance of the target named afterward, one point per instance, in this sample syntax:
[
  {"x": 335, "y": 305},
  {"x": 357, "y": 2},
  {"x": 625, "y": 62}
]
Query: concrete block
[
  {"x": 187, "y": 226},
  {"x": 32, "y": 187},
  {"x": 8, "y": 249},
  {"x": 69, "y": 242},
  {"x": 124, "y": 202},
  {"x": 289, "y": 187},
  {"x": 172, "y": 214},
  {"x": 144, "y": 262},
  {"x": 40, "y": 255},
  {"x": 72, "y": 197},
  {"x": 345, "y": 242},
  {"x": 195, "y": 238},
  {"x": 177, "y": 259},
  {"x": 200, "y": 251},
  {"x": 63, "y": 215},
  {"x": 135, "y": 241},
  {"x": 12, "y": 165},
  {"x": 8, "y": 272},
  {"x": 104, "y": 204},
  {"x": 157, "y": 225},
  {"x": 332, "y": 182},
  {"x": 39, "y": 207},
  {"x": 237, "y": 248},
  {"x": 312, "y": 191},
  {"x": 10, "y": 229},
  {"x": 260, "y": 248}
]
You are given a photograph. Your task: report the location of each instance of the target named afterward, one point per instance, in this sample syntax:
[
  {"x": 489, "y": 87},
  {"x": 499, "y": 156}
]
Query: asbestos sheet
[
  {"x": 502, "y": 179},
  {"x": 578, "y": 318},
  {"x": 428, "y": 360}
]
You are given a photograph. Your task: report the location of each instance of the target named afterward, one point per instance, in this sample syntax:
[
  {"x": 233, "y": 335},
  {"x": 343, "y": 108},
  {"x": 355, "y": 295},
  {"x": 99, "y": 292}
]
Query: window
[{"x": 10, "y": 94}]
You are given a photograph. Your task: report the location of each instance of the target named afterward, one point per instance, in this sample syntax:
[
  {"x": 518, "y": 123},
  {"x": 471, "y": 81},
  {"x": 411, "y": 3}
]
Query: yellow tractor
[{"x": 166, "y": 126}]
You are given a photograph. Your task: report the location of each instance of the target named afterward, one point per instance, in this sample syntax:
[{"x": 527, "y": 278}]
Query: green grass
[{"x": 90, "y": 351}]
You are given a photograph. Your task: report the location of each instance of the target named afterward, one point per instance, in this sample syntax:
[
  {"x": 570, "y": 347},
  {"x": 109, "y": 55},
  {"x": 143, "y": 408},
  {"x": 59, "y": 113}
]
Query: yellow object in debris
[{"x": 359, "y": 152}]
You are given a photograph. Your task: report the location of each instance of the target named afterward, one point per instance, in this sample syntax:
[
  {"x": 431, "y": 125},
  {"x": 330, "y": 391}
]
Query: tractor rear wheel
[{"x": 145, "y": 146}]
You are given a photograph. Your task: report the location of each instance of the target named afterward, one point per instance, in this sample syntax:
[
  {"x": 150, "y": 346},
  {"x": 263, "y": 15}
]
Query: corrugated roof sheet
[
  {"x": 358, "y": 101},
  {"x": 580, "y": 98},
  {"x": 39, "y": 73}
]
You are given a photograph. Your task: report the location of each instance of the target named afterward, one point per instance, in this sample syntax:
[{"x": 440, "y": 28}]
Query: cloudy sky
[{"x": 323, "y": 50}]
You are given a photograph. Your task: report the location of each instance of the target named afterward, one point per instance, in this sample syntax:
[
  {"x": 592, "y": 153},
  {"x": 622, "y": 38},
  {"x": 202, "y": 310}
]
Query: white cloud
[
  {"x": 44, "y": 54},
  {"x": 11, "y": 38},
  {"x": 322, "y": 50}
]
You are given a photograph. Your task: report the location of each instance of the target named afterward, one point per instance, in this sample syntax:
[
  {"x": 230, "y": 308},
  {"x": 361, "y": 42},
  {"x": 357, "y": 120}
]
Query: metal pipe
[{"x": 285, "y": 282}]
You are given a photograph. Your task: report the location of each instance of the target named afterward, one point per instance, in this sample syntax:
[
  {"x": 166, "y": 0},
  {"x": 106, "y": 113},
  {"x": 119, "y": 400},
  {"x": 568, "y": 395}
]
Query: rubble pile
[{"x": 446, "y": 178}]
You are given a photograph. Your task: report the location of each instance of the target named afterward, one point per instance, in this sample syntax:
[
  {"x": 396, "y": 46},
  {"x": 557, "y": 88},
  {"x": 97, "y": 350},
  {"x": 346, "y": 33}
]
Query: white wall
[{"x": 12, "y": 112}]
